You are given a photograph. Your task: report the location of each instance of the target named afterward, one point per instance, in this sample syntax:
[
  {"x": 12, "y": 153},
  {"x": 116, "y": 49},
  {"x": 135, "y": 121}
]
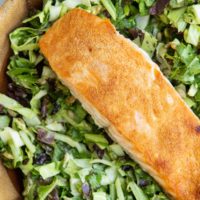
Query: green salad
[{"x": 45, "y": 132}]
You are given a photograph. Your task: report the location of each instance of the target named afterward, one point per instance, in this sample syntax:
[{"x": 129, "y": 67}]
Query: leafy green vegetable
[
  {"x": 35, "y": 101},
  {"x": 138, "y": 193},
  {"x": 68, "y": 140},
  {"x": 192, "y": 16},
  {"x": 23, "y": 72},
  {"x": 192, "y": 35},
  {"x": 43, "y": 191},
  {"x": 24, "y": 39},
  {"x": 115, "y": 148},
  {"x": 110, "y": 7},
  {"x": 53, "y": 140},
  {"x": 142, "y": 21},
  {"x": 97, "y": 139},
  {"x": 119, "y": 190},
  {"x": 176, "y": 18},
  {"x": 29, "y": 116},
  {"x": 9, "y": 134},
  {"x": 100, "y": 195},
  {"x": 48, "y": 170},
  {"x": 11, "y": 137},
  {"x": 4, "y": 121},
  {"x": 149, "y": 44}
]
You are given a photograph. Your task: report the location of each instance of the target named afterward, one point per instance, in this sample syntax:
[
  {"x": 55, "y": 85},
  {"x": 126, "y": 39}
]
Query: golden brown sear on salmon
[{"x": 125, "y": 92}]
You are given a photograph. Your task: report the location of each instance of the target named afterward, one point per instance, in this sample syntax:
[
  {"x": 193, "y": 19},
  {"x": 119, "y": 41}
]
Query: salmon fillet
[{"x": 126, "y": 93}]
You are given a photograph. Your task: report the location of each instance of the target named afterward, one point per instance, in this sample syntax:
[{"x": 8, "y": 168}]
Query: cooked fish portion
[{"x": 126, "y": 93}]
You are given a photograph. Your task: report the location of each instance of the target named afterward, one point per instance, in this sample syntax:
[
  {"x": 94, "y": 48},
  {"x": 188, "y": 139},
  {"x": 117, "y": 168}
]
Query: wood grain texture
[{"x": 126, "y": 93}]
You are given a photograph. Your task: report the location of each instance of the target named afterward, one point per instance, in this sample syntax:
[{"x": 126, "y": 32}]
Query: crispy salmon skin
[{"x": 126, "y": 93}]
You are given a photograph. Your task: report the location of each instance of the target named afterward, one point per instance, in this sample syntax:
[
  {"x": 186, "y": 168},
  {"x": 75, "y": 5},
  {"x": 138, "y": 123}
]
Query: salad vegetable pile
[{"x": 45, "y": 132}]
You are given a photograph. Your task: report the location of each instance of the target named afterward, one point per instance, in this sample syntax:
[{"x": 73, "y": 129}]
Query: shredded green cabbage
[{"x": 45, "y": 132}]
